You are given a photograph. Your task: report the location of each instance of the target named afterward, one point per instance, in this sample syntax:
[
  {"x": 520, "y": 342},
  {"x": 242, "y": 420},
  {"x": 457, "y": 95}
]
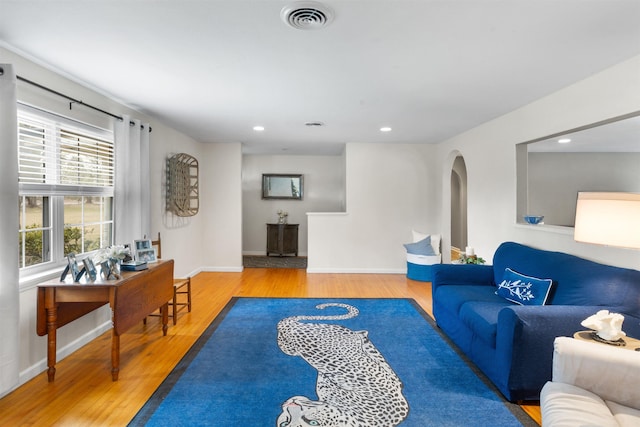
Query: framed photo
[
  {"x": 90, "y": 269},
  {"x": 146, "y": 255},
  {"x": 109, "y": 269},
  {"x": 142, "y": 244},
  {"x": 282, "y": 186},
  {"x": 72, "y": 268},
  {"x": 105, "y": 269}
]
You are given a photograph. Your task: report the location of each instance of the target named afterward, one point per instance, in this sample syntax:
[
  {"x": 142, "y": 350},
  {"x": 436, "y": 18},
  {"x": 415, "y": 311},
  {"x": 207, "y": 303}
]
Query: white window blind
[{"x": 56, "y": 151}]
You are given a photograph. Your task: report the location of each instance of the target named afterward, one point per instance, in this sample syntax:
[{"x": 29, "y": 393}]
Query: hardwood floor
[{"x": 83, "y": 393}]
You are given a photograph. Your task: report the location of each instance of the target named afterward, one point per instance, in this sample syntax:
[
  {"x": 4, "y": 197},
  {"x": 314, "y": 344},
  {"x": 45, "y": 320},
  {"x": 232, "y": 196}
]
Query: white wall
[
  {"x": 177, "y": 233},
  {"x": 384, "y": 203},
  {"x": 555, "y": 179},
  {"x": 489, "y": 153},
  {"x": 220, "y": 238},
  {"x": 324, "y": 191},
  {"x": 390, "y": 189}
]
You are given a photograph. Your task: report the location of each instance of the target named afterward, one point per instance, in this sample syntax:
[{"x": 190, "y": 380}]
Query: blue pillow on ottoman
[
  {"x": 423, "y": 247},
  {"x": 524, "y": 290}
]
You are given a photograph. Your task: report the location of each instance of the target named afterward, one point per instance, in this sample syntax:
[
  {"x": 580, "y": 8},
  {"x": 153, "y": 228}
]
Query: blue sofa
[{"x": 512, "y": 343}]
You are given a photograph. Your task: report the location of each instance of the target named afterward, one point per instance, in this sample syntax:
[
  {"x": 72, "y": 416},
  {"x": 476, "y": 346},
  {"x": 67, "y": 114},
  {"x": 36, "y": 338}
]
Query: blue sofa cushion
[
  {"x": 524, "y": 290},
  {"x": 482, "y": 318},
  {"x": 453, "y": 297},
  {"x": 423, "y": 247}
]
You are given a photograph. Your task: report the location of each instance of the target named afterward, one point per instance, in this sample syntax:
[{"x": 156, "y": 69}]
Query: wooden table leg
[
  {"x": 115, "y": 355},
  {"x": 52, "y": 327},
  {"x": 165, "y": 318}
]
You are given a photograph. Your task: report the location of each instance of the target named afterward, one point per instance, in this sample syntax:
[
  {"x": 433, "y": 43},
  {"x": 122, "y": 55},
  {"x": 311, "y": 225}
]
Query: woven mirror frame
[{"x": 182, "y": 185}]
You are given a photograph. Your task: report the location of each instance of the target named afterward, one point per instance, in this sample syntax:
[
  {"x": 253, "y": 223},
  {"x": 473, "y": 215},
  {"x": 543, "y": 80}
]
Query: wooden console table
[
  {"x": 132, "y": 298},
  {"x": 282, "y": 239}
]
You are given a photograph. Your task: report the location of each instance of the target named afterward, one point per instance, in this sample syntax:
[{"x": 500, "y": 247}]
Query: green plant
[
  {"x": 72, "y": 240},
  {"x": 471, "y": 259},
  {"x": 32, "y": 246},
  {"x": 33, "y": 243}
]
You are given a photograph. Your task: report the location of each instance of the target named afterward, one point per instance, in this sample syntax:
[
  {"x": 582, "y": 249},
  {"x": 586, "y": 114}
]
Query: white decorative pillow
[{"x": 417, "y": 236}]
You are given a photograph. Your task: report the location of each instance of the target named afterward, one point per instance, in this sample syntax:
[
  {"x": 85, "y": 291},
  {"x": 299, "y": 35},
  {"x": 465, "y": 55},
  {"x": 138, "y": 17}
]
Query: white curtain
[
  {"x": 9, "y": 277},
  {"x": 132, "y": 199}
]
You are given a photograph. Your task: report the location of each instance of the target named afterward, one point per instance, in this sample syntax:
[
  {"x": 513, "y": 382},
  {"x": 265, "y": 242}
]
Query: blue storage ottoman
[
  {"x": 419, "y": 272},
  {"x": 421, "y": 255}
]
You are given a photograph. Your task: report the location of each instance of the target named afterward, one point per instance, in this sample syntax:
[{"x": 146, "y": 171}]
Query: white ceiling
[{"x": 429, "y": 69}]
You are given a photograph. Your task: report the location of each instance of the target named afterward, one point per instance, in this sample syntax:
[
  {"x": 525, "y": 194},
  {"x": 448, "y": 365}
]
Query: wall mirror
[
  {"x": 282, "y": 186},
  {"x": 603, "y": 156},
  {"x": 182, "y": 185}
]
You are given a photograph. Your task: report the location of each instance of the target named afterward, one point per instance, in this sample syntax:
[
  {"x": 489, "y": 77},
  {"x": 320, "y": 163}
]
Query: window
[
  {"x": 35, "y": 230},
  {"x": 66, "y": 174}
]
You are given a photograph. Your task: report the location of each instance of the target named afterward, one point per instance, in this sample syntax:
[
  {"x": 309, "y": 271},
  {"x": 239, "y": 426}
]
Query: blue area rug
[{"x": 374, "y": 362}]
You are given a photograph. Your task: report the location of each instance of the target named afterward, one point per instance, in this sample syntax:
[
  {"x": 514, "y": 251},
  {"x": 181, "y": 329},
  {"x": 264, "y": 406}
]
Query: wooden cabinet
[{"x": 282, "y": 239}]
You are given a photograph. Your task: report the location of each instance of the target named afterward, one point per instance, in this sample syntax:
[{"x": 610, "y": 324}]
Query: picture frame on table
[
  {"x": 72, "y": 268},
  {"x": 109, "y": 269},
  {"x": 141, "y": 245},
  {"x": 105, "y": 269},
  {"x": 147, "y": 255},
  {"x": 90, "y": 268}
]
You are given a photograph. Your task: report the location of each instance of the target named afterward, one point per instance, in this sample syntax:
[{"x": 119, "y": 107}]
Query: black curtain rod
[{"x": 75, "y": 101}]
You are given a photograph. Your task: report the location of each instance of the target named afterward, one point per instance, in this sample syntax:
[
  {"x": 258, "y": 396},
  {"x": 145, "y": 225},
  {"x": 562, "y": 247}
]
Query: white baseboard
[
  {"x": 222, "y": 269},
  {"x": 357, "y": 270}
]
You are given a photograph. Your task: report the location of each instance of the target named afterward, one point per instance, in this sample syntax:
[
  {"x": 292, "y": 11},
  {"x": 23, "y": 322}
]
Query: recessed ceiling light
[
  {"x": 385, "y": 129},
  {"x": 564, "y": 140},
  {"x": 258, "y": 128}
]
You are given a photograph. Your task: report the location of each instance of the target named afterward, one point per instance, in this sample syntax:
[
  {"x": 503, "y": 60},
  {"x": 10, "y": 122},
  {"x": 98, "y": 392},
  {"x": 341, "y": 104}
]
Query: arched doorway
[
  {"x": 459, "y": 204},
  {"x": 454, "y": 206}
]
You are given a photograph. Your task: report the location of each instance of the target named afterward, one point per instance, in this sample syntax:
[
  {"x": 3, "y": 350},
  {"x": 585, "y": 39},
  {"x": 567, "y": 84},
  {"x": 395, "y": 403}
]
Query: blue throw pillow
[
  {"x": 423, "y": 247},
  {"x": 524, "y": 290}
]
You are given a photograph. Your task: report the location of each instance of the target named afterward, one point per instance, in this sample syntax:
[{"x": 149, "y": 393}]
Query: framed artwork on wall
[{"x": 282, "y": 186}]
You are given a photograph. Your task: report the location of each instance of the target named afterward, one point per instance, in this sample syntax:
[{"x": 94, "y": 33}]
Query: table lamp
[{"x": 611, "y": 219}]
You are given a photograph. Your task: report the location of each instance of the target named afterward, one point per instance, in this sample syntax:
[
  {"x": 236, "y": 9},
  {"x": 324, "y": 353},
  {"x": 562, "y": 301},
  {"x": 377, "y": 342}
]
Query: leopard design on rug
[{"x": 356, "y": 387}]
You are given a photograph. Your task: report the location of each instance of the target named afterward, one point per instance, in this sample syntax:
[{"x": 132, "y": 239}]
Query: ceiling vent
[{"x": 307, "y": 15}]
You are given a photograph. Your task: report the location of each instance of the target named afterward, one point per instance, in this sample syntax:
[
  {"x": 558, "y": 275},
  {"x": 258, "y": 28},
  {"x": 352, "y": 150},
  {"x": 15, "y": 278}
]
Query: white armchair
[{"x": 592, "y": 385}]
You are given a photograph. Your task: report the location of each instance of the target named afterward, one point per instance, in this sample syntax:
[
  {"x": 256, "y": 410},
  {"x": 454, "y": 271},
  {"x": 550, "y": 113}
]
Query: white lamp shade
[{"x": 608, "y": 219}]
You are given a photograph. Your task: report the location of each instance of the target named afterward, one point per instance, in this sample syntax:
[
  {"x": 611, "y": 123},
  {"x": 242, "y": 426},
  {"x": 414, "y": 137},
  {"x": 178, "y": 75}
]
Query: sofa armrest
[
  {"x": 461, "y": 274},
  {"x": 525, "y": 336},
  {"x": 611, "y": 373}
]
